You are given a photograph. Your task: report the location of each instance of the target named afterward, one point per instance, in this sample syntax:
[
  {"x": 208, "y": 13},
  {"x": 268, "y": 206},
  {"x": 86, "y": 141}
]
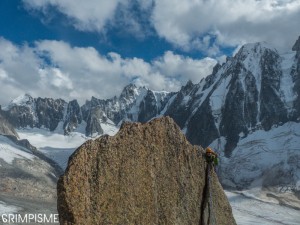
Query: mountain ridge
[{"x": 256, "y": 90}]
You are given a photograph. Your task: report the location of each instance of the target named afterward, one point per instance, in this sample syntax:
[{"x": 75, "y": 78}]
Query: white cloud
[
  {"x": 55, "y": 69},
  {"x": 54, "y": 77},
  {"x": 89, "y": 15},
  {"x": 232, "y": 22},
  {"x": 184, "y": 68},
  {"x": 18, "y": 66},
  {"x": 187, "y": 24}
]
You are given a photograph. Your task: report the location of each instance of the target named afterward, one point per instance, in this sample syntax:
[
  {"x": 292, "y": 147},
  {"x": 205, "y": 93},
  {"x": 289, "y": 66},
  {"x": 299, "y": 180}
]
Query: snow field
[
  {"x": 10, "y": 151},
  {"x": 249, "y": 211}
]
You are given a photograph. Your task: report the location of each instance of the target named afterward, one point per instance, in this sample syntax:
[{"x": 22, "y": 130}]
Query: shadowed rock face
[
  {"x": 39, "y": 112},
  {"x": 5, "y": 127},
  {"x": 296, "y": 77},
  {"x": 145, "y": 174}
]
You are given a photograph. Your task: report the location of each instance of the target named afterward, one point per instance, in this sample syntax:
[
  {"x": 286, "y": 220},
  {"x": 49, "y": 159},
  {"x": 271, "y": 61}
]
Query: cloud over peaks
[
  {"x": 231, "y": 22},
  {"x": 56, "y": 69}
]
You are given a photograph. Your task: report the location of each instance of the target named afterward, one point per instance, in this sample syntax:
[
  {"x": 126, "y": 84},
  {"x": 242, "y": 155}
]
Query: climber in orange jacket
[{"x": 211, "y": 156}]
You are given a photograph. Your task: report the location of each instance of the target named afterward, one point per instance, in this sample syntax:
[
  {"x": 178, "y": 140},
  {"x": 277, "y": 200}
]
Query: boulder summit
[{"x": 145, "y": 174}]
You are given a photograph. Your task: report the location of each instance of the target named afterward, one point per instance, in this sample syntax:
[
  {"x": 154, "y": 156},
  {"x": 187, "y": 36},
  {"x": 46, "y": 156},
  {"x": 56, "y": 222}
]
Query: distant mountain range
[{"x": 256, "y": 90}]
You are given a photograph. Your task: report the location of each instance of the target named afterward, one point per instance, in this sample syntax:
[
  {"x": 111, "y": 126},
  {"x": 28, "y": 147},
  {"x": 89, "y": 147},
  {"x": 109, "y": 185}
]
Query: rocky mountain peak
[
  {"x": 187, "y": 88},
  {"x": 145, "y": 174},
  {"x": 73, "y": 117},
  {"x": 93, "y": 102},
  {"x": 217, "y": 67},
  {"x": 129, "y": 91},
  {"x": 22, "y": 100},
  {"x": 38, "y": 112},
  {"x": 296, "y": 46},
  {"x": 253, "y": 49}
]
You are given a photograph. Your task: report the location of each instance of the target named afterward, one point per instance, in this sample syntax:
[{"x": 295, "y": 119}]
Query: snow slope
[
  {"x": 248, "y": 211},
  {"x": 54, "y": 145},
  {"x": 286, "y": 83},
  {"x": 265, "y": 164},
  {"x": 10, "y": 151},
  {"x": 8, "y": 209},
  {"x": 25, "y": 179}
]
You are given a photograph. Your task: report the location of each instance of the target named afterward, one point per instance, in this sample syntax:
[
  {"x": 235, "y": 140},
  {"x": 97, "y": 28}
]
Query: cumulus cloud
[
  {"x": 231, "y": 22},
  {"x": 18, "y": 66},
  {"x": 184, "y": 68},
  {"x": 56, "y": 69},
  {"x": 91, "y": 15},
  {"x": 205, "y": 25}
]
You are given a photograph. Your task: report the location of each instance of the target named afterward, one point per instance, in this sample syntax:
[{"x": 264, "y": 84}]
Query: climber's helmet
[{"x": 210, "y": 151}]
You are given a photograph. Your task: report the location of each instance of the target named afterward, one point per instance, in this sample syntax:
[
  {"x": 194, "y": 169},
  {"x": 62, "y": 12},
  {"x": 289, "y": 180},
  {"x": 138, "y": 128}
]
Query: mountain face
[
  {"x": 145, "y": 174},
  {"x": 26, "y": 111},
  {"x": 296, "y": 76},
  {"x": 73, "y": 117},
  {"x": 266, "y": 164},
  {"x": 135, "y": 104},
  {"x": 256, "y": 89},
  {"x": 5, "y": 127}
]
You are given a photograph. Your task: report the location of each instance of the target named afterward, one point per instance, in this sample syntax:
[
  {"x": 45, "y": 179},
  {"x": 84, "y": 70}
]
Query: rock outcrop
[
  {"x": 5, "y": 127},
  {"x": 145, "y": 174},
  {"x": 26, "y": 111},
  {"x": 296, "y": 46}
]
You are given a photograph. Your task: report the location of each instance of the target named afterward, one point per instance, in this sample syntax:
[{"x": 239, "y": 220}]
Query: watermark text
[{"x": 29, "y": 218}]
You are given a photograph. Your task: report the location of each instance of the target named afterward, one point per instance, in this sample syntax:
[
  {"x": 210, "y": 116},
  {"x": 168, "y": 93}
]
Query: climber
[{"x": 211, "y": 156}]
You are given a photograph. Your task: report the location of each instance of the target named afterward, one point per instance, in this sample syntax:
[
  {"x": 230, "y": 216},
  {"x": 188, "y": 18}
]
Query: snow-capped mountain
[
  {"x": 256, "y": 89},
  {"x": 97, "y": 115},
  {"x": 248, "y": 109},
  {"x": 256, "y": 92},
  {"x": 134, "y": 104},
  {"x": 40, "y": 112}
]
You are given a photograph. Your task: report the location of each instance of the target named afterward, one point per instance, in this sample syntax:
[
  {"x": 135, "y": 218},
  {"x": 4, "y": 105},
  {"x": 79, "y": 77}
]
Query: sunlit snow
[
  {"x": 248, "y": 211},
  {"x": 9, "y": 151},
  {"x": 8, "y": 209}
]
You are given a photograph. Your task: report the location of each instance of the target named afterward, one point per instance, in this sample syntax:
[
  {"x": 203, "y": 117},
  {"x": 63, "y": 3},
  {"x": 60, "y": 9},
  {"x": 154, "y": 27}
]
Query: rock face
[
  {"x": 256, "y": 89},
  {"x": 296, "y": 46},
  {"x": 26, "y": 111},
  {"x": 73, "y": 117},
  {"x": 134, "y": 104},
  {"x": 296, "y": 76},
  {"x": 5, "y": 127},
  {"x": 145, "y": 174}
]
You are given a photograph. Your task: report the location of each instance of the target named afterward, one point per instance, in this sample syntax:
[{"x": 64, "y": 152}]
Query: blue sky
[
  {"x": 78, "y": 49},
  {"x": 27, "y": 25}
]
